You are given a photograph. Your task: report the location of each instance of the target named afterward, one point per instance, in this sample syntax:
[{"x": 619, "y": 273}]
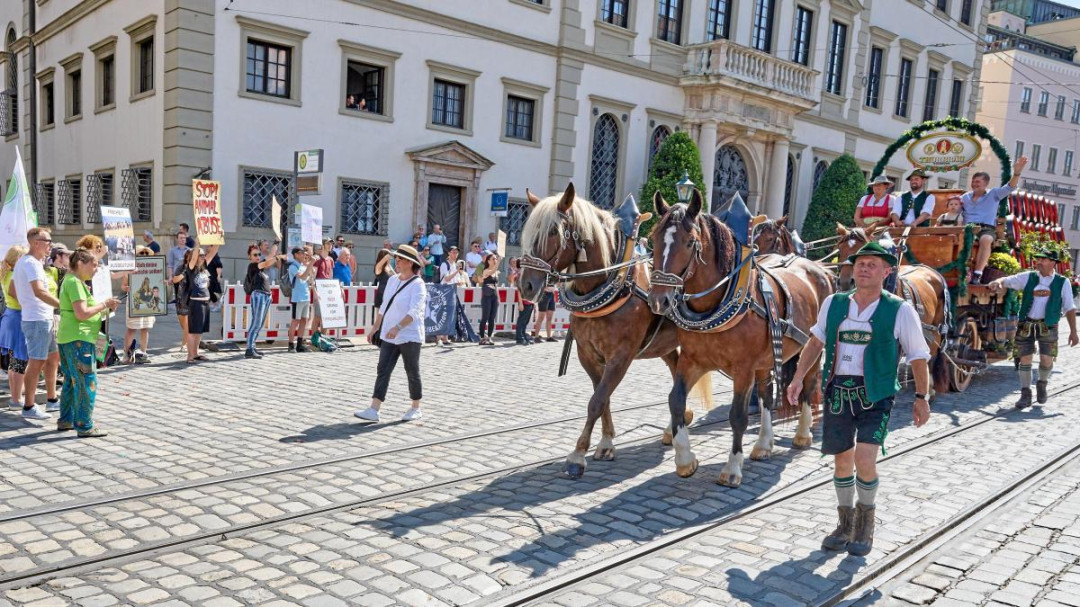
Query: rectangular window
[
  {"x": 1051, "y": 160},
  {"x": 719, "y": 19},
  {"x": 1066, "y": 167},
  {"x": 74, "y": 83},
  {"x": 517, "y": 212},
  {"x": 1025, "y": 101},
  {"x": 69, "y": 202},
  {"x": 761, "y": 33},
  {"x": 614, "y": 12},
  {"x": 146, "y": 65},
  {"x": 804, "y": 22},
  {"x": 46, "y": 202},
  {"x": 268, "y": 68},
  {"x": 448, "y": 104},
  {"x": 1036, "y": 152},
  {"x": 48, "y": 104},
  {"x": 1044, "y": 103},
  {"x": 930, "y": 102},
  {"x": 1076, "y": 111},
  {"x": 873, "y": 78},
  {"x": 1059, "y": 111},
  {"x": 903, "y": 88},
  {"x": 834, "y": 77},
  {"x": 669, "y": 21},
  {"x": 942, "y": 5},
  {"x": 1019, "y": 149},
  {"x": 366, "y": 85},
  {"x": 956, "y": 101},
  {"x": 519, "y": 117},
  {"x": 363, "y": 207},
  {"x": 144, "y": 194},
  {"x": 965, "y": 11},
  {"x": 107, "y": 65},
  {"x": 1076, "y": 218},
  {"x": 260, "y": 188}
]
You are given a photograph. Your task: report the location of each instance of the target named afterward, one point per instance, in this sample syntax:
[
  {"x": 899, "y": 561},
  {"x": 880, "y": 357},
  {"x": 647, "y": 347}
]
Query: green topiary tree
[
  {"x": 835, "y": 199},
  {"x": 677, "y": 155}
]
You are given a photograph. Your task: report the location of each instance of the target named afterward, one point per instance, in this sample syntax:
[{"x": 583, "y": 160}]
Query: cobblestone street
[{"x": 248, "y": 482}]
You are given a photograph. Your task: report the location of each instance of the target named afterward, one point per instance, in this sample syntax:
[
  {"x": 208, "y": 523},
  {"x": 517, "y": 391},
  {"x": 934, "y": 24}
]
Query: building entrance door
[{"x": 444, "y": 208}]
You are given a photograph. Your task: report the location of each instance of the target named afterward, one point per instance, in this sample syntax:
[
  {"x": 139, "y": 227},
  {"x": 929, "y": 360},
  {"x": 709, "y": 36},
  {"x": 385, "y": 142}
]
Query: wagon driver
[
  {"x": 862, "y": 332},
  {"x": 1046, "y": 296},
  {"x": 981, "y": 208}
]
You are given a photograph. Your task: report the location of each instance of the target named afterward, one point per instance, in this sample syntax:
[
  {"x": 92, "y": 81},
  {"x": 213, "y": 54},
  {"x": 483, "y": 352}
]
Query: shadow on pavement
[
  {"x": 341, "y": 431},
  {"x": 793, "y": 581}
]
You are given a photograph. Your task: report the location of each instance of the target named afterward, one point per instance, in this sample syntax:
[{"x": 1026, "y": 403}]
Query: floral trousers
[{"x": 79, "y": 391}]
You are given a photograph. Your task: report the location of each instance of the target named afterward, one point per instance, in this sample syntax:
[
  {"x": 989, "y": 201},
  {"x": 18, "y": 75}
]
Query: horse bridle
[
  {"x": 552, "y": 276},
  {"x": 661, "y": 278}
]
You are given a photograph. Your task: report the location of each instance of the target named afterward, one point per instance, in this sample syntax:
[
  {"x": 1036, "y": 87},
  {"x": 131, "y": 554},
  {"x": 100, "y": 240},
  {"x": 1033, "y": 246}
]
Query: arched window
[
  {"x": 9, "y": 90},
  {"x": 605, "y": 162},
  {"x": 659, "y": 134},
  {"x": 789, "y": 185},
  {"x": 819, "y": 170},
  {"x": 729, "y": 177}
]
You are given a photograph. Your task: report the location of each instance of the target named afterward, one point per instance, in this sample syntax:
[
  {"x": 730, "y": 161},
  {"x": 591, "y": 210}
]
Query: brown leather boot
[
  {"x": 839, "y": 538},
  {"x": 1025, "y": 398},
  {"x": 863, "y": 538}
]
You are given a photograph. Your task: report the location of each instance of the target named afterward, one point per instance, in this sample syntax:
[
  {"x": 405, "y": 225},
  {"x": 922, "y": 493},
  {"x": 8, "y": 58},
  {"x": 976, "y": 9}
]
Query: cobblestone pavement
[{"x": 519, "y": 523}]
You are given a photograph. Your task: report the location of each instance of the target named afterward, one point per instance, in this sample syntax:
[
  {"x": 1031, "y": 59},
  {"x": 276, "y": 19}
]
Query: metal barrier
[{"x": 360, "y": 312}]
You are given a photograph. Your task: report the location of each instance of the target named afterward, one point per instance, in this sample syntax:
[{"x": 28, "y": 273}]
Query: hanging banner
[
  {"x": 331, "y": 304},
  {"x": 944, "y": 152},
  {"x": 311, "y": 223},
  {"x": 441, "y": 309},
  {"x": 147, "y": 292},
  {"x": 206, "y": 200},
  {"x": 119, "y": 238}
]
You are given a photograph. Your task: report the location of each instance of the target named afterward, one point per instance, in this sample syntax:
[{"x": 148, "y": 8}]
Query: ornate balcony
[{"x": 725, "y": 64}]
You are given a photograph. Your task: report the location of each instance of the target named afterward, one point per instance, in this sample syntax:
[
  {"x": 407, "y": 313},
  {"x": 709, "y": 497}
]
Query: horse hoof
[
  {"x": 688, "y": 470},
  {"x": 688, "y": 416},
  {"x": 604, "y": 455},
  {"x": 759, "y": 454},
  {"x": 574, "y": 470},
  {"x": 802, "y": 442},
  {"x": 729, "y": 480},
  {"x": 666, "y": 438}
]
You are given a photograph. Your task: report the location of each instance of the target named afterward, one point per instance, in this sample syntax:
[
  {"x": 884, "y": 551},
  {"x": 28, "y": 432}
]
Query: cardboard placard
[
  {"x": 501, "y": 241},
  {"x": 331, "y": 304},
  {"x": 119, "y": 238},
  {"x": 148, "y": 294},
  {"x": 311, "y": 223},
  {"x": 206, "y": 200},
  {"x": 275, "y": 216},
  {"x": 101, "y": 285}
]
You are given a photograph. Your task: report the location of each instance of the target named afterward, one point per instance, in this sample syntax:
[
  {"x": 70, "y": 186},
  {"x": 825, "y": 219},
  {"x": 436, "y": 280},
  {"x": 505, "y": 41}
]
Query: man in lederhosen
[
  {"x": 862, "y": 332},
  {"x": 915, "y": 206},
  {"x": 1046, "y": 295}
]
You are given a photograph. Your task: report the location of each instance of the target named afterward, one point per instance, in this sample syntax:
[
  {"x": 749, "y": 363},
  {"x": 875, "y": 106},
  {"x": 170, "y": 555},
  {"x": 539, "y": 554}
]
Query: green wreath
[{"x": 955, "y": 124}]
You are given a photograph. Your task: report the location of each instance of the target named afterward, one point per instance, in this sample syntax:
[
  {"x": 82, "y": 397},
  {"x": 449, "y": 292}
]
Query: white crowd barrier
[{"x": 360, "y": 312}]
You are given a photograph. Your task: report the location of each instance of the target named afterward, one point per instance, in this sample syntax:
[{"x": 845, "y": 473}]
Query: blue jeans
[
  {"x": 79, "y": 391},
  {"x": 260, "y": 305}
]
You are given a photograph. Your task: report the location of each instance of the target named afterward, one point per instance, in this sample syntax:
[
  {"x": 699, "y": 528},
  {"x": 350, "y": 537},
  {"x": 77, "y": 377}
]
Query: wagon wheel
[{"x": 960, "y": 375}]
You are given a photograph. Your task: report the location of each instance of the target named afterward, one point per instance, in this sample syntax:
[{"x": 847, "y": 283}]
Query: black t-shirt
[
  {"x": 258, "y": 278},
  {"x": 489, "y": 285},
  {"x": 215, "y": 284}
]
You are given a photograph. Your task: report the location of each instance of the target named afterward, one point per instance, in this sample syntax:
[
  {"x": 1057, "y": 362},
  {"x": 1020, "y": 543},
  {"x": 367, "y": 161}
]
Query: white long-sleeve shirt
[
  {"x": 411, "y": 301},
  {"x": 1042, "y": 293},
  {"x": 849, "y": 356}
]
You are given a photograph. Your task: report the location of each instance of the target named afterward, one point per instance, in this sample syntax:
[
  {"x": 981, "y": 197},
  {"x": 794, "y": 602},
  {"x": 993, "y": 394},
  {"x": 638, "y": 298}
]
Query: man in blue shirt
[
  {"x": 301, "y": 272},
  {"x": 981, "y": 208}
]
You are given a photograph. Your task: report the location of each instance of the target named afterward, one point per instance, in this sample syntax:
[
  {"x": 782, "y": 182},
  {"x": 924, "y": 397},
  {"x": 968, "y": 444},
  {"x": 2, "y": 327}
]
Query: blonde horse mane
[{"x": 593, "y": 226}]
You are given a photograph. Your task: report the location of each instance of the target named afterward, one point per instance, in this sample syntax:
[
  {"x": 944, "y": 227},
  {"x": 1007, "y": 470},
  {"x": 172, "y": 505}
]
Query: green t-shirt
[{"x": 71, "y": 328}]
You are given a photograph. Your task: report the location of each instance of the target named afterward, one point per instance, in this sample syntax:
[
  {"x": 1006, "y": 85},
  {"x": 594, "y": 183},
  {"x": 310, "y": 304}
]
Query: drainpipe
[{"x": 32, "y": 64}]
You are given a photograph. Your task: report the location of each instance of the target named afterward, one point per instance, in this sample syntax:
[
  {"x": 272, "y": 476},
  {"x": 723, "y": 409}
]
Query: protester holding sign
[
  {"x": 197, "y": 277},
  {"x": 206, "y": 201}
]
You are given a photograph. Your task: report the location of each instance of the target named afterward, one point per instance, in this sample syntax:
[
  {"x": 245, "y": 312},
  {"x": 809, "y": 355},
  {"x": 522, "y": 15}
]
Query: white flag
[{"x": 17, "y": 215}]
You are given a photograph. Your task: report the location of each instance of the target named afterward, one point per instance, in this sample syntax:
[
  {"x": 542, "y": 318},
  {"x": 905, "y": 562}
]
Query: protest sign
[
  {"x": 311, "y": 223},
  {"x": 331, "y": 304},
  {"x": 275, "y": 216},
  {"x": 147, "y": 293},
  {"x": 206, "y": 200},
  {"x": 119, "y": 238},
  {"x": 101, "y": 285},
  {"x": 501, "y": 242}
]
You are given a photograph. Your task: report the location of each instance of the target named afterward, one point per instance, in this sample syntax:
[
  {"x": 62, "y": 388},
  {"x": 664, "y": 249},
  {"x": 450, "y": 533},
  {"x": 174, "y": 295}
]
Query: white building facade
[{"x": 460, "y": 99}]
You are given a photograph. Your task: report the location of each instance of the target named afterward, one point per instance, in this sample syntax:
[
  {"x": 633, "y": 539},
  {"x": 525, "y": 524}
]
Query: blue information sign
[{"x": 499, "y": 201}]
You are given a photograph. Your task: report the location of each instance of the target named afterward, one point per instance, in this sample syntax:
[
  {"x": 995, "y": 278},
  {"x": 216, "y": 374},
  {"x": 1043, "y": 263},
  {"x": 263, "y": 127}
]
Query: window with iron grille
[
  {"x": 669, "y": 21},
  {"x": 1059, "y": 111},
  {"x": 819, "y": 171},
  {"x": 1025, "y": 101},
  {"x": 517, "y": 211},
  {"x": 761, "y": 33},
  {"x": 834, "y": 78},
  {"x": 69, "y": 202},
  {"x": 719, "y": 19},
  {"x": 9, "y": 96},
  {"x": 519, "y": 117},
  {"x": 965, "y": 11},
  {"x": 137, "y": 192},
  {"x": 903, "y": 88},
  {"x": 107, "y": 65},
  {"x": 930, "y": 102},
  {"x": 659, "y": 135},
  {"x": 45, "y": 202},
  {"x": 366, "y": 83},
  {"x": 146, "y": 65},
  {"x": 615, "y": 12},
  {"x": 268, "y": 68},
  {"x": 99, "y": 192},
  {"x": 957, "y": 99},
  {"x": 364, "y": 207},
  {"x": 260, "y": 187},
  {"x": 604, "y": 164},
  {"x": 789, "y": 184},
  {"x": 873, "y": 78},
  {"x": 1044, "y": 103},
  {"x": 448, "y": 104},
  {"x": 804, "y": 23}
]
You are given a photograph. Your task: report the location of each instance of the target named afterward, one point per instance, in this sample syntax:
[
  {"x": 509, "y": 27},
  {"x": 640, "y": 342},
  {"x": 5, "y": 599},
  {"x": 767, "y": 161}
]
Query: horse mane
[{"x": 593, "y": 225}]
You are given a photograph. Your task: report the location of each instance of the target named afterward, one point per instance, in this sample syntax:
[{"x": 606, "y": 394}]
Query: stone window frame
[
  {"x": 139, "y": 32},
  {"x": 71, "y": 65},
  {"x": 838, "y": 19},
  {"x": 46, "y": 77},
  {"x": 102, "y": 50},
  {"x": 463, "y": 76},
  {"x": 543, "y": 6},
  {"x": 1018, "y": 148},
  {"x": 370, "y": 55},
  {"x": 383, "y": 222},
  {"x": 631, "y": 18},
  {"x": 883, "y": 39},
  {"x": 525, "y": 90},
  {"x": 622, "y": 111},
  {"x": 811, "y": 51},
  {"x": 265, "y": 31},
  {"x": 912, "y": 51},
  {"x": 1025, "y": 100}
]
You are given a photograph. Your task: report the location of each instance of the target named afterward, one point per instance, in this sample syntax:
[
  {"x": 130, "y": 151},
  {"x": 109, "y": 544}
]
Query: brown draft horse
[
  {"x": 927, "y": 293},
  {"x": 772, "y": 237},
  {"x": 699, "y": 249},
  {"x": 557, "y": 226}
]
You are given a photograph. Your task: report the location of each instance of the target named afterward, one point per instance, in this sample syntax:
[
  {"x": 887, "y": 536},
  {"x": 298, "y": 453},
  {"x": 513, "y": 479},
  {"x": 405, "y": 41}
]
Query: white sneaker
[
  {"x": 52, "y": 406},
  {"x": 370, "y": 414},
  {"x": 412, "y": 415},
  {"x": 35, "y": 413},
  {"x": 14, "y": 406}
]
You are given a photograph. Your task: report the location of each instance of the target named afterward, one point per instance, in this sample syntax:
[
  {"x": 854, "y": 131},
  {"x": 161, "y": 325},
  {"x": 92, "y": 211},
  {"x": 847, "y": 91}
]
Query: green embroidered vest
[
  {"x": 906, "y": 201},
  {"x": 882, "y": 353},
  {"x": 1053, "y": 304}
]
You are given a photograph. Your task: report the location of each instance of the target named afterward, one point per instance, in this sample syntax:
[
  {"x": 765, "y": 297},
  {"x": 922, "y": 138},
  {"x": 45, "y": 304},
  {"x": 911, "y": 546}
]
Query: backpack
[{"x": 286, "y": 284}]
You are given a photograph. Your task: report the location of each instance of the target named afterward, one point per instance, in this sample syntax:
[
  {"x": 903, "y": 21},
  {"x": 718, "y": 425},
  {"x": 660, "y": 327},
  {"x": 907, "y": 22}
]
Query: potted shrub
[{"x": 999, "y": 266}]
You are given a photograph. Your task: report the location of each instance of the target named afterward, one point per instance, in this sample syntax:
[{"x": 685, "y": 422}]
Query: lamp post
[{"x": 685, "y": 188}]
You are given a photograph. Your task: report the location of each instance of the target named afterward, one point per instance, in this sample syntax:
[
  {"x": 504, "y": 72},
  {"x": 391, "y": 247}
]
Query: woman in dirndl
[{"x": 876, "y": 207}]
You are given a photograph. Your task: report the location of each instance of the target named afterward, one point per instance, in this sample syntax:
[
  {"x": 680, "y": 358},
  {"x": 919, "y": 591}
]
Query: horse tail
[
  {"x": 702, "y": 391},
  {"x": 939, "y": 369}
]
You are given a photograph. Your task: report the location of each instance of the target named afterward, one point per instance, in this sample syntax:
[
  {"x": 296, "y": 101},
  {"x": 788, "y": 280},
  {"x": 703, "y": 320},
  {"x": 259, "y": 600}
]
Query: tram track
[{"x": 883, "y": 571}]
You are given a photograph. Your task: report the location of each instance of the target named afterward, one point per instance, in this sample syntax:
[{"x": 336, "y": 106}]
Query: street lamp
[{"x": 685, "y": 187}]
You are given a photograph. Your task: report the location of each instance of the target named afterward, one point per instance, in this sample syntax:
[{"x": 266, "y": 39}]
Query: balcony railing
[{"x": 725, "y": 58}]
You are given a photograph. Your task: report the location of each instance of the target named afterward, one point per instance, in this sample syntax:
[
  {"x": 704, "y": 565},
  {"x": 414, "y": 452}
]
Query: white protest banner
[
  {"x": 206, "y": 200},
  {"x": 101, "y": 285},
  {"x": 17, "y": 215},
  {"x": 119, "y": 238},
  {"x": 501, "y": 242},
  {"x": 331, "y": 304},
  {"x": 311, "y": 223}
]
